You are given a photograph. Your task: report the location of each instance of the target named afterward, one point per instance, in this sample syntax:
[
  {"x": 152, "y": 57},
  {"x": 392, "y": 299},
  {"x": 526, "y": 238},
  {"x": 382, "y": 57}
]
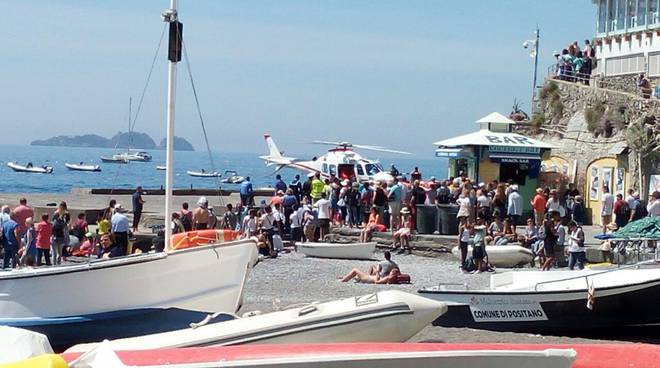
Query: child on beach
[
  {"x": 463, "y": 241},
  {"x": 30, "y": 241},
  {"x": 479, "y": 245}
]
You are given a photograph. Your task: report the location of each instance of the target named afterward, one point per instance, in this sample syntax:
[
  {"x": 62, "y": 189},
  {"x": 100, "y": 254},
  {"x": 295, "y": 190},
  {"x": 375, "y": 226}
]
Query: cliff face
[{"x": 119, "y": 140}]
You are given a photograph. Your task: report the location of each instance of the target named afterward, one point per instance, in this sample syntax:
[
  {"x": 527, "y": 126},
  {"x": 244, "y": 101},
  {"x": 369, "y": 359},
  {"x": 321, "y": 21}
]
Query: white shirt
[
  {"x": 608, "y": 204},
  {"x": 483, "y": 201},
  {"x": 267, "y": 221},
  {"x": 324, "y": 208},
  {"x": 295, "y": 219},
  {"x": 654, "y": 208},
  {"x": 464, "y": 207},
  {"x": 573, "y": 244},
  {"x": 465, "y": 236}
]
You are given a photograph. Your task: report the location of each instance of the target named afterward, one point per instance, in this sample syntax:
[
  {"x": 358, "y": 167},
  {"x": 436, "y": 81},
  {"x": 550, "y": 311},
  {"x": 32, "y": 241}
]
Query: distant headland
[{"x": 119, "y": 140}]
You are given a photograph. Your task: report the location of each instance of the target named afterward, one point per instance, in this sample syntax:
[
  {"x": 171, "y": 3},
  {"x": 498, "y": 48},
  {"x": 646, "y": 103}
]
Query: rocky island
[{"x": 120, "y": 140}]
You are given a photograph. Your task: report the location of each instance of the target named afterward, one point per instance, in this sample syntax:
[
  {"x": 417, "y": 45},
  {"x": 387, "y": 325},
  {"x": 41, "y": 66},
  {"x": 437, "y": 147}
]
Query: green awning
[{"x": 646, "y": 228}]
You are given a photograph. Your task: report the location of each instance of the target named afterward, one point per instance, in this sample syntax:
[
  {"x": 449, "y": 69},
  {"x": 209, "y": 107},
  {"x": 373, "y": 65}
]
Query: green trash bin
[
  {"x": 426, "y": 219},
  {"x": 447, "y": 221}
]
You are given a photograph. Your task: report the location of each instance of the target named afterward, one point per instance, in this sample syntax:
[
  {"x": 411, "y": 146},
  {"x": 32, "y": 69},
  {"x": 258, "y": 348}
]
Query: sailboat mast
[
  {"x": 130, "y": 108},
  {"x": 174, "y": 56}
]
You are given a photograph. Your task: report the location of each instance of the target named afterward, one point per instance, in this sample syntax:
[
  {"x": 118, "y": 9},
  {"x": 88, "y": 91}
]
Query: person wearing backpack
[
  {"x": 621, "y": 211},
  {"x": 353, "y": 204},
  {"x": 638, "y": 211},
  {"x": 61, "y": 219}
]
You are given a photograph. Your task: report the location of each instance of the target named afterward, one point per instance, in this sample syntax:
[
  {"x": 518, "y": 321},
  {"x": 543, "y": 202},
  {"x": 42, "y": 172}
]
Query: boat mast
[
  {"x": 128, "y": 140},
  {"x": 174, "y": 56}
]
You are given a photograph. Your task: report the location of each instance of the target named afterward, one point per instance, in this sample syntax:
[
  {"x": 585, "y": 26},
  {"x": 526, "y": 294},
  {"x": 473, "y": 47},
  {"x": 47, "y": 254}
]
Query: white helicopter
[{"x": 341, "y": 161}]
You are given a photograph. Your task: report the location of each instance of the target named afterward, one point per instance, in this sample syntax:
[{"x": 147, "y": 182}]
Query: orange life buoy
[{"x": 191, "y": 239}]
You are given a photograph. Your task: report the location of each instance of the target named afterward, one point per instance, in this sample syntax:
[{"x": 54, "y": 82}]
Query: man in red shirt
[
  {"x": 621, "y": 211},
  {"x": 538, "y": 204},
  {"x": 22, "y": 212}
]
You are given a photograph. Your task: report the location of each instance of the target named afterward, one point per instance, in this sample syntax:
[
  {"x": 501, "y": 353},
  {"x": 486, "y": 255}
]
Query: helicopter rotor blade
[
  {"x": 380, "y": 149},
  {"x": 328, "y": 143}
]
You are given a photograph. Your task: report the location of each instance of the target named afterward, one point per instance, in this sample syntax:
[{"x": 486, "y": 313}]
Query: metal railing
[{"x": 597, "y": 81}]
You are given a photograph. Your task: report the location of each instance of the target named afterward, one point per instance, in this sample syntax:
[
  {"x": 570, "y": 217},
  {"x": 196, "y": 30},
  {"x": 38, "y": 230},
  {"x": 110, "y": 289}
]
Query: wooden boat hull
[{"x": 337, "y": 250}]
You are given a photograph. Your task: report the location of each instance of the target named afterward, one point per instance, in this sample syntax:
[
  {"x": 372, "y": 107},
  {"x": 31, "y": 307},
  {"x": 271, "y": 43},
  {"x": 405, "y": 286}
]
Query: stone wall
[
  {"x": 623, "y": 83},
  {"x": 569, "y": 132}
]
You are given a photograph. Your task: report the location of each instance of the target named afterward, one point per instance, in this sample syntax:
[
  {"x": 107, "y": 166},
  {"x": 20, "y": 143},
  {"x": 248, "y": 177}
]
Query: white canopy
[
  {"x": 485, "y": 137},
  {"x": 495, "y": 118}
]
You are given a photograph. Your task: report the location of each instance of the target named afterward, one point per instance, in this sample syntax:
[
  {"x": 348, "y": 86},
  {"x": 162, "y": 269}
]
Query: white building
[{"x": 627, "y": 37}]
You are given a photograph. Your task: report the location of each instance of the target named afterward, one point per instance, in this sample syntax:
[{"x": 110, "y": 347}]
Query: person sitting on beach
[
  {"x": 385, "y": 272},
  {"x": 87, "y": 247},
  {"x": 109, "y": 249},
  {"x": 177, "y": 225},
  {"x": 201, "y": 215},
  {"x": 495, "y": 231},
  {"x": 371, "y": 226},
  {"x": 80, "y": 227},
  {"x": 509, "y": 234},
  {"x": 531, "y": 234},
  {"x": 402, "y": 235}
]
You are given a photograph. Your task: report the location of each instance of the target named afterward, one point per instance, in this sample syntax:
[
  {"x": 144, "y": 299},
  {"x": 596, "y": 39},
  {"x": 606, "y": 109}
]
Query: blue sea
[{"x": 117, "y": 176}]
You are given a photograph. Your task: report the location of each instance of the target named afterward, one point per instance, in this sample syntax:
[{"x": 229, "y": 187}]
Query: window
[
  {"x": 631, "y": 14},
  {"x": 372, "y": 169},
  {"x": 360, "y": 171},
  {"x": 602, "y": 16},
  {"x": 653, "y": 12},
  {"x": 625, "y": 65},
  {"x": 333, "y": 169},
  {"x": 641, "y": 12},
  {"x": 611, "y": 15},
  {"x": 324, "y": 168},
  {"x": 621, "y": 14},
  {"x": 654, "y": 64}
]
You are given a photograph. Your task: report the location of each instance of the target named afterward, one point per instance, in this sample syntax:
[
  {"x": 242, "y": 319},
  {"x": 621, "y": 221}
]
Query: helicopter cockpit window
[
  {"x": 333, "y": 169},
  {"x": 324, "y": 168},
  {"x": 360, "y": 171},
  {"x": 372, "y": 169}
]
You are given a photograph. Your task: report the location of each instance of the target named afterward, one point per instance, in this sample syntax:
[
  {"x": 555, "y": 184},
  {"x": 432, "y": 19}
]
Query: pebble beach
[{"x": 292, "y": 279}]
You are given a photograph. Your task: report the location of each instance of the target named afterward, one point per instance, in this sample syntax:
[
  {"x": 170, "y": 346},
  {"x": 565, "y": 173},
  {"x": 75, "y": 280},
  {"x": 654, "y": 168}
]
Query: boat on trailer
[
  {"x": 83, "y": 167},
  {"x": 338, "y": 250},
  {"x": 29, "y": 168},
  {"x": 555, "y": 301},
  {"x": 386, "y": 316}
]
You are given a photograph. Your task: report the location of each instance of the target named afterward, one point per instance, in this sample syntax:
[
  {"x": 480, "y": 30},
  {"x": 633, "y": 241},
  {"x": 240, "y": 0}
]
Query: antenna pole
[
  {"x": 174, "y": 56},
  {"x": 536, "y": 66}
]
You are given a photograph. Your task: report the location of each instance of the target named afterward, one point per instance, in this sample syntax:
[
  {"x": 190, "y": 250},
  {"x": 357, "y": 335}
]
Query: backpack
[
  {"x": 640, "y": 211},
  {"x": 624, "y": 211},
  {"x": 185, "y": 221},
  {"x": 443, "y": 195},
  {"x": 59, "y": 224}
]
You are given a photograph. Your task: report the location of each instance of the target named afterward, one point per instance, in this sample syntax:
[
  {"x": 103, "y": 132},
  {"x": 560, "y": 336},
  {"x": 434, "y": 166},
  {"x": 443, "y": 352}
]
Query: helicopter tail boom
[{"x": 274, "y": 156}]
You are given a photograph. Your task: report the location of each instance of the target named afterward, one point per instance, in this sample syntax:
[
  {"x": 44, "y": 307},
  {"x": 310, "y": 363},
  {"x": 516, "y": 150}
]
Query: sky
[{"x": 400, "y": 74}]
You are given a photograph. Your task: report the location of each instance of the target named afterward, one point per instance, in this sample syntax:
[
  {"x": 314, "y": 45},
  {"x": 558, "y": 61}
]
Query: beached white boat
[
  {"x": 204, "y": 174},
  {"x": 555, "y": 301},
  {"x": 126, "y": 296},
  {"x": 505, "y": 256},
  {"x": 30, "y": 169},
  {"x": 365, "y": 355},
  {"x": 386, "y": 316},
  {"x": 82, "y": 167},
  {"x": 338, "y": 250}
]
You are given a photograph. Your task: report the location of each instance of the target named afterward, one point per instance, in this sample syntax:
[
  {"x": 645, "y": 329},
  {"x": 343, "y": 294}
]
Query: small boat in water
[
  {"x": 338, "y": 250},
  {"x": 386, "y": 316},
  {"x": 140, "y": 156},
  {"x": 114, "y": 159},
  {"x": 505, "y": 256},
  {"x": 232, "y": 177},
  {"x": 162, "y": 168},
  {"x": 204, "y": 174},
  {"x": 555, "y": 301},
  {"x": 82, "y": 167},
  {"x": 29, "y": 168}
]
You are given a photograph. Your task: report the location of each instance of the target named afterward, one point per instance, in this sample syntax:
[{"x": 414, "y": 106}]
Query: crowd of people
[{"x": 574, "y": 64}]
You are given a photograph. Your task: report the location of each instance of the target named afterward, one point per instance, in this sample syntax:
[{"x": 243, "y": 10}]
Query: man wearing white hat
[
  {"x": 201, "y": 214},
  {"x": 515, "y": 207}
]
